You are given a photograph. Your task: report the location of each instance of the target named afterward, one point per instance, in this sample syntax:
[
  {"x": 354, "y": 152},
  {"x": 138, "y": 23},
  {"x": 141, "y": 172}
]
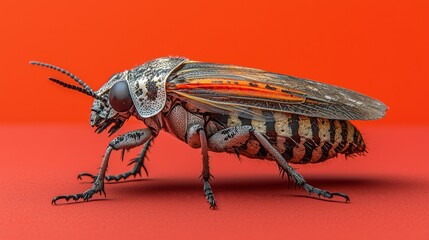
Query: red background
[{"x": 379, "y": 48}]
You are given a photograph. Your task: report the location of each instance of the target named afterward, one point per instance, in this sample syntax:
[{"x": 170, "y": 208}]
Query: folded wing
[{"x": 248, "y": 92}]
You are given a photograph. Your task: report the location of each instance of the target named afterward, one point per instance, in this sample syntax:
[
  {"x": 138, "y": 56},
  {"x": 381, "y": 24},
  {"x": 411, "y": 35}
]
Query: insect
[{"x": 225, "y": 108}]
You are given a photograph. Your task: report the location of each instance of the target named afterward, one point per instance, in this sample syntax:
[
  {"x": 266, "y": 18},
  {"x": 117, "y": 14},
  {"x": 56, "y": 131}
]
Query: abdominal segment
[{"x": 299, "y": 139}]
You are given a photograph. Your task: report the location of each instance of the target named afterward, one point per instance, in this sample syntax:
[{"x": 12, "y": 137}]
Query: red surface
[
  {"x": 388, "y": 189},
  {"x": 379, "y": 48}
]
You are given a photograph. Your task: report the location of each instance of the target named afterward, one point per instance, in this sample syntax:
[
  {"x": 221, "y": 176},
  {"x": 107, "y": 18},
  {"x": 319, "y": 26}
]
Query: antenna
[
  {"x": 47, "y": 65},
  {"x": 76, "y": 88}
]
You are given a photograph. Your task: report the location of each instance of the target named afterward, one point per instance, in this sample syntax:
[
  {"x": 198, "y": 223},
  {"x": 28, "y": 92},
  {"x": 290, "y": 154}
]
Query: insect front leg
[
  {"x": 138, "y": 165},
  {"x": 126, "y": 141}
]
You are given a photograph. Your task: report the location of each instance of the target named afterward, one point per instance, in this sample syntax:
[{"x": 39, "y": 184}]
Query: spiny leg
[
  {"x": 126, "y": 141},
  {"x": 231, "y": 138},
  {"x": 97, "y": 186},
  {"x": 206, "y": 171},
  {"x": 196, "y": 137},
  {"x": 223, "y": 141},
  {"x": 138, "y": 165},
  {"x": 299, "y": 180}
]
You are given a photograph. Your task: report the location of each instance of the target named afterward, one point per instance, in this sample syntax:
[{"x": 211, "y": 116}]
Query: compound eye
[{"x": 119, "y": 97}]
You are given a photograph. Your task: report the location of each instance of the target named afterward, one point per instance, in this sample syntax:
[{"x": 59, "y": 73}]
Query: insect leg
[
  {"x": 233, "y": 137},
  {"x": 229, "y": 138},
  {"x": 206, "y": 170},
  {"x": 138, "y": 165},
  {"x": 299, "y": 180},
  {"x": 126, "y": 141},
  {"x": 196, "y": 137}
]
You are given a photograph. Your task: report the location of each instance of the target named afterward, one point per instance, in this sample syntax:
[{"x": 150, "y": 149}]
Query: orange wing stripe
[{"x": 242, "y": 88}]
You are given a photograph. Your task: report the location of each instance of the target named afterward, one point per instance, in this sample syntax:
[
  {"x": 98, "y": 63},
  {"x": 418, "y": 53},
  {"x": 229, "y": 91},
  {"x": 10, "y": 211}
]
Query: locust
[{"x": 225, "y": 108}]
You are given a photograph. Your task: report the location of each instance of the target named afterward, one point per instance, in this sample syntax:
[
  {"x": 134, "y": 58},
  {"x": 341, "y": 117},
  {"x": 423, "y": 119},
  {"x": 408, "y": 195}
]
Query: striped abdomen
[{"x": 301, "y": 139}]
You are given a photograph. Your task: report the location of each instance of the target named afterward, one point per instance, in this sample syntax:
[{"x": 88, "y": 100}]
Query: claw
[
  {"x": 322, "y": 193},
  {"x": 85, "y": 196},
  {"x": 54, "y": 200},
  {"x": 85, "y": 174},
  {"x": 341, "y": 195},
  {"x": 67, "y": 198},
  {"x": 213, "y": 206}
]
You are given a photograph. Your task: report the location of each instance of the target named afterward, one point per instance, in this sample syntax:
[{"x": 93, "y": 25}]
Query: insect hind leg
[
  {"x": 299, "y": 180},
  {"x": 233, "y": 137}
]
